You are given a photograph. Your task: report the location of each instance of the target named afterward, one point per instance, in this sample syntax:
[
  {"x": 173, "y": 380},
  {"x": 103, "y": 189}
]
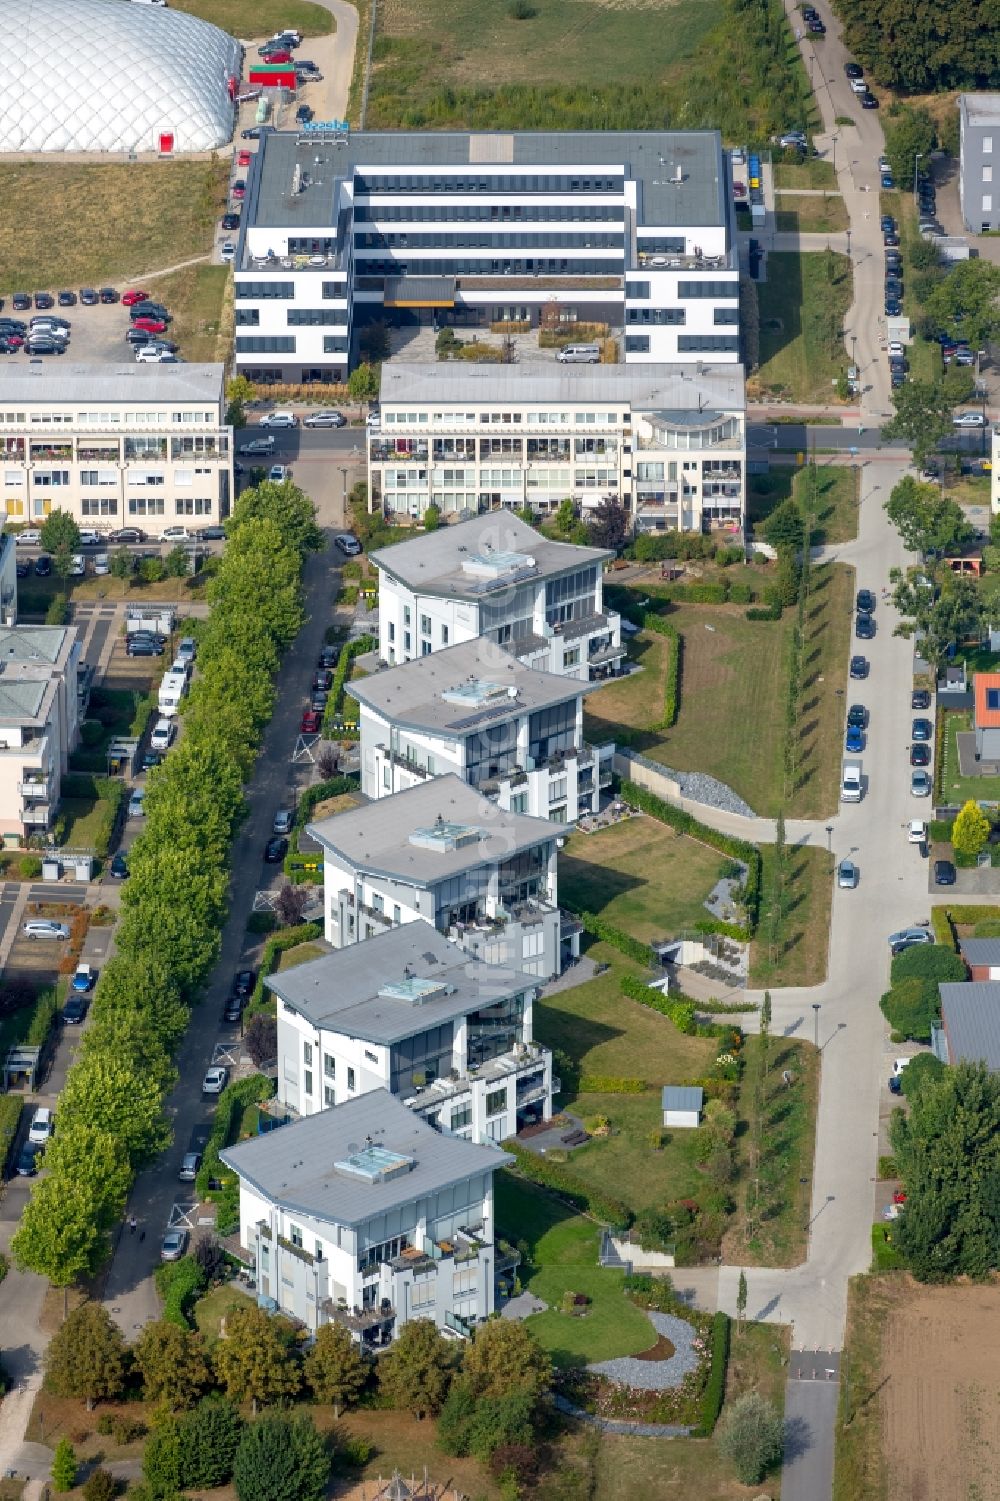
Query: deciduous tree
[
  {"x": 750, "y": 1436},
  {"x": 261, "y": 1039},
  {"x": 503, "y": 1358},
  {"x": 417, "y": 1370},
  {"x": 255, "y": 1362},
  {"x": 61, "y": 538},
  {"x": 966, "y": 302},
  {"x": 62, "y": 1235},
  {"x": 785, "y": 527},
  {"x": 86, "y": 1356},
  {"x": 172, "y": 1363},
  {"x": 335, "y": 1369},
  {"x": 117, "y": 1098},
  {"x": 971, "y": 830},
  {"x": 64, "y": 1467},
  {"x": 363, "y": 382},
  {"x": 923, "y": 417},
  {"x": 927, "y": 521},
  {"x": 609, "y": 524},
  {"x": 212, "y": 1433},
  {"x": 908, "y": 131},
  {"x": 286, "y": 505}
]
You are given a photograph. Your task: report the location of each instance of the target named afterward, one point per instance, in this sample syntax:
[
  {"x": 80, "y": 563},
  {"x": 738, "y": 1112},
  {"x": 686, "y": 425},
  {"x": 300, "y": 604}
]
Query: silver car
[
  {"x": 920, "y": 784},
  {"x": 283, "y": 821},
  {"x": 43, "y": 927},
  {"x": 847, "y": 874},
  {"x": 173, "y": 1245}
]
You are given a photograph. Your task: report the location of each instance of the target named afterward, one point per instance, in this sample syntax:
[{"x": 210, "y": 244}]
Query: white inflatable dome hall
[{"x": 113, "y": 75}]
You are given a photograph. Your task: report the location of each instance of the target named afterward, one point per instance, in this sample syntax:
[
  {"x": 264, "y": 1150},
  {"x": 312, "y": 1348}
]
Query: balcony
[
  {"x": 405, "y": 451},
  {"x": 520, "y": 1060},
  {"x": 36, "y": 786},
  {"x": 506, "y": 1258},
  {"x": 37, "y": 815},
  {"x": 464, "y": 1328},
  {"x": 370, "y": 1323},
  {"x": 404, "y": 763},
  {"x": 375, "y": 913}
]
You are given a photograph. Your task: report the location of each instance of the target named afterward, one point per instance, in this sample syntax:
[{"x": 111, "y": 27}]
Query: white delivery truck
[
  {"x": 850, "y": 782},
  {"x": 173, "y": 687}
]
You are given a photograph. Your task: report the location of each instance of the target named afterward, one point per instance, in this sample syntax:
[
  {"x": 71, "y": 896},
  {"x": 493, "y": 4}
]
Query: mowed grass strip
[
  {"x": 261, "y": 18},
  {"x": 639, "y": 875},
  {"x": 802, "y": 308},
  {"x": 800, "y": 214},
  {"x": 804, "y": 175},
  {"x": 78, "y": 226}
]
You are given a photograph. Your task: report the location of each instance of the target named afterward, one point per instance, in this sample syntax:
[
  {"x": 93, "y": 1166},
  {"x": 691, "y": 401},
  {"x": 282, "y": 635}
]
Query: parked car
[
  {"x": 968, "y": 419},
  {"x": 119, "y": 867},
  {"x": 129, "y": 299},
  {"x": 21, "y": 302},
  {"x": 190, "y": 1164},
  {"x": 853, "y": 70},
  {"x": 44, "y": 300},
  {"x": 922, "y": 729},
  {"x": 864, "y": 628},
  {"x": 30, "y": 537},
  {"x": 847, "y": 874},
  {"x": 869, "y": 101},
  {"x": 42, "y": 1125},
  {"x": 348, "y": 544},
  {"x": 328, "y": 656},
  {"x": 920, "y": 784},
  {"x": 283, "y": 821},
  {"x": 859, "y": 667},
  {"x": 857, "y": 714},
  {"x": 27, "y": 1159},
  {"x": 920, "y": 699},
  {"x": 322, "y": 679},
  {"x": 233, "y": 1009},
  {"x": 89, "y": 297},
  {"x": 279, "y": 419},
  {"x": 44, "y": 927},
  {"x": 151, "y": 325},
  {"x": 215, "y": 1080},
  {"x": 173, "y": 1245},
  {"x": 125, "y": 534},
  {"x": 920, "y": 755},
  {"x": 74, "y": 1010},
  {"x": 43, "y": 566},
  {"x": 890, "y": 237},
  {"x": 277, "y": 474},
  {"x": 163, "y": 735},
  {"x": 83, "y": 978},
  {"x": 108, "y": 295},
  {"x": 228, "y": 251},
  {"x": 866, "y": 599},
  {"x": 944, "y": 873},
  {"x": 325, "y": 419},
  {"x": 231, "y": 220},
  {"x": 310, "y": 722},
  {"x": 244, "y": 981},
  {"x": 257, "y": 445},
  {"x": 275, "y": 851},
  {"x": 854, "y": 740}
]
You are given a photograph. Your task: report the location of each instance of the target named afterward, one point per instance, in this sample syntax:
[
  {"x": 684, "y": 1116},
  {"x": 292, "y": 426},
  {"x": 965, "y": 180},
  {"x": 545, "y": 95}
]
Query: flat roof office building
[
  {"x": 979, "y": 143},
  {"x": 630, "y": 228}
]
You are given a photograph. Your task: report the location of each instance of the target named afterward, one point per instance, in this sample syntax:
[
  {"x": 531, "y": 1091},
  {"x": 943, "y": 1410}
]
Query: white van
[
  {"x": 579, "y": 354},
  {"x": 173, "y": 687}
]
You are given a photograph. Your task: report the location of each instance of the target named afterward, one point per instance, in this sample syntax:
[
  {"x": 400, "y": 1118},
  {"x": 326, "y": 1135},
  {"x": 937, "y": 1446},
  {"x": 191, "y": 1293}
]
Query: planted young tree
[
  {"x": 750, "y": 1436},
  {"x": 971, "y": 830},
  {"x": 86, "y": 1356},
  {"x": 290, "y": 904},
  {"x": 282, "y": 1459},
  {"x": 417, "y": 1370},
  {"x": 255, "y": 1362},
  {"x": 172, "y": 1363},
  {"x": 741, "y": 1302},
  {"x": 61, "y": 538},
  {"x": 335, "y": 1370},
  {"x": 432, "y": 517},
  {"x": 64, "y": 1467}
]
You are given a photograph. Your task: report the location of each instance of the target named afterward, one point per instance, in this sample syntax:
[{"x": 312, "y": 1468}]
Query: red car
[
  {"x": 128, "y": 298},
  {"x": 899, "y": 1197},
  {"x": 150, "y": 325},
  {"x": 244, "y": 159},
  {"x": 310, "y": 723},
  {"x": 276, "y": 57},
  {"x": 239, "y": 189}
]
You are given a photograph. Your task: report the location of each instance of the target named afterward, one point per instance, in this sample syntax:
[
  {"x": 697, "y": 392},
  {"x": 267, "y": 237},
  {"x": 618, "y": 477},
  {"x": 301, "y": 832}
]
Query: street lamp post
[
  {"x": 829, "y": 841},
  {"x": 815, "y": 1006},
  {"x": 848, "y": 243}
]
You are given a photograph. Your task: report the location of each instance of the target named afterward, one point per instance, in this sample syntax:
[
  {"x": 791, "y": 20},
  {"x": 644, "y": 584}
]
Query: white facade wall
[
  {"x": 34, "y": 759},
  {"x": 274, "y": 300}
]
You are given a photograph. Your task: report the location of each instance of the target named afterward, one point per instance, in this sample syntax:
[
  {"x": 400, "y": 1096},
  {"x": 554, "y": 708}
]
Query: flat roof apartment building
[
  {"x": 444, "y": 854},
  {"x": 979, "y": 152},
  {"x": 115, "y": 445},
  {"x": 39, "y": 723},
  {"x": 512, "y": 732},
  {"x": 496, "y": 576},
  {"x": 415, "y": 1014},
  {"x": 635, "y": 229},
  {"x": 668, "y": 441},
  {"x": 366, "y": 1216}
]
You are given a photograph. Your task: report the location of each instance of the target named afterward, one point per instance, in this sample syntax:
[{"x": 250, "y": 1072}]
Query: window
[
  {"x": 307, "y": 1084},
  {"x": 265, "y": 344},
  {"x": 300, "y": 317},
  {"x": 107, "y": 505},
  {"x": 425, "y": 648},
  {"x": 295, "y": 1235},
  {"x": 707, "y": 343},
  {"x": 263, "y": 291},
  {"x": 425, "y": 625},
  {"x": 987, "y": 145},
  {"x": 371, "y": 1057},
  {"x": 987, "y": 174},
  {"x": 329, "y": 1066},
  {"x": 247, "y": 317},
  {"x": 519, "y": 802},
  {"x": 461, "y": 1118},
  {"x": 334, "y": 289},
  {"x": 98, "y": 476},
  {"x": 987, "y": 203},
  {"x": 307, "y": 1052},
  {"x": 46, "y": 479},
  {"x": 636, "y": 343},
  {"x": 328, "y": 1096},
  {"x": 397, "y": 915},
  {"x": 695, "y": 289},
  {"x": 465, "y": 1279},
  {"x": 334, "y": 344},
  {"x": 147, "y": 506},
  {"x": 193, "y": 506},
  {"x": 423, "y": 1292},
  {"x": 496, "y": 1101},
  {"x": 444, "y": 635},
  {"x": 350, "y": 1079},
  {"x": 637, "y": 289}
]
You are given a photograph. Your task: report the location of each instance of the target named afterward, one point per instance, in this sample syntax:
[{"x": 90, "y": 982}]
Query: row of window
[
  {"x": 678, "y": 315},
  {"x": 295, "y": 317},
  {"x": 116, "y": 418},
  {"x": 461, "y": 266},
  {"x": 495, "y": 213},
  {"x": 285, "y": 344},
  {"x": 284, "y": 291},
  {"x": 542, "y": 239},
  {"x": 498, "y": 182}
]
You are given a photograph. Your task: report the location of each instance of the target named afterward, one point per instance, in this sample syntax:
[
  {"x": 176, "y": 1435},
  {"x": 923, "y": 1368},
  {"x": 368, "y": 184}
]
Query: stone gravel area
[
  {"x": 701, "y": 788},
  {"x": 656, "y": 1375}
]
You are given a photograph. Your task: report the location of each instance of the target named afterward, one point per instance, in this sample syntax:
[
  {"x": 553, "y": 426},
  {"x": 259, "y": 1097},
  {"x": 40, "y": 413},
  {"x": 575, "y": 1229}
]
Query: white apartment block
[
  {"x": 668, "y": 441},
  {"x": 415, "y": 1014},
  {"x": 635, "y": 229},
  {"x": 497, "y": 577},
  {"x": 444, "y": 854},
  {"x": 39, "y": 723},
  {"x": 513, "y": 733},
  {"x": 115, "y": 445},
  {"x": 366, "y": 1216}
]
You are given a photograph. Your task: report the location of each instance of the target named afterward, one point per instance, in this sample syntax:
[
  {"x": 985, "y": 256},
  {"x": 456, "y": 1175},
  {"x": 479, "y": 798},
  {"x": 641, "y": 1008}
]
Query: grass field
[
  {"x": 952, "y": 786},
  {"x": 812, "y": 174},
  {"x": 800, "y": 954},
  {"x": 639, "y": 875},
  {"x": 777, "y": 1235},
  {"x": 197, "y": 298},
  {"x": 829, "y": 490},
  {"x": 802, "y": 308},
  {"x": 803, "y": 215},
  {"x": 731, "y": 719},
  {"x": 254, "y": 18},
  {"x": 80, "y": 225},
  {"x": 562, "y": 1257}
]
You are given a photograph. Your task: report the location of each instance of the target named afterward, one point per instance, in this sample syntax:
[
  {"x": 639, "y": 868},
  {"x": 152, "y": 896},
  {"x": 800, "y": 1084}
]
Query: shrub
[
  {"x": 10, "y": 1116},
  {"x": 64, "y": 1467},
  {"x": 179, "y": 1284},
  {"x": 58, "y": 610},
  {"x": 355, "y": 1450},
  {"x": 910, "y": 1008},
  {"x": 927, "y": 961},
  {"x": 610, "y": 1084},
  {"x": 623, "y": 942},
  {"x": 715, "y": 1387},
  {"x": 228, "y": 1113},
  {"x": 261, "y": 922},
  {"x": 751, "y": 1437},
  {"x": 562, "y": 1180},
  {"x": 100, "y": 1485}
]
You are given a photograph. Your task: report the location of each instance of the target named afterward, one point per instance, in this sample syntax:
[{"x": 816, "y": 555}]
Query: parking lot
[{"x": 97, "y": 334}]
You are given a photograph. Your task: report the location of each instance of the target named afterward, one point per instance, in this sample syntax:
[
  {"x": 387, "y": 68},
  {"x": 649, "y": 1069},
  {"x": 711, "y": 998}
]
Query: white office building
[
  {"x": 510, "y": 731},
  {"x": 495, "y": 576},
  {"x": 366, "y": 1216},
  {"x": 444, "y": 854},
  {"x": 413, "y": 1013},
  {"x": 668, "y": 441},
  {"x": 39, "y": 723},
  {"x": 634, "y": 229},
  {"x": 115, "y": 445}
]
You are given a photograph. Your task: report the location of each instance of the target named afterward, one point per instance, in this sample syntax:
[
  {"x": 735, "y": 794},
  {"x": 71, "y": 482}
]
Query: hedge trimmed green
[
  {"x": 350, "y": 649},
  {"x": 715, "y": 1387},
  {"x": 10, "y": 1116},
  {"x": 726, "y": 844},
  {"x": 681, "y": 1013},
  {"x": 606, "y": 932},
  {"x": 233, "y": 1100},
  {"x": 610, "y": 1084},
  {"x": 565, "y": 1182},
  {"x": 276, "y": 945},
  {"x": 179, "y": 1284},
  {"x": 671, "y": 688},
  {"x": 333, "y": 787}
]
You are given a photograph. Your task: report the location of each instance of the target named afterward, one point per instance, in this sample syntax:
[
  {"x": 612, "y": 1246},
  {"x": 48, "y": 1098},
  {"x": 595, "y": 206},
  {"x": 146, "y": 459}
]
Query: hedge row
[
  {"x": 563, "y": 1181},
  {"x": 610, "y": 1084},
  {"x": 174, "y": 905},
  {"x": 764, "y": 612},
  {"x": 681, "y": 1013},
  {"x": 606, "y": 932},
  {"x": 10, "y": 1117},
  {"x": 276, "y": 945},
  {"x": 179, "y": 1284},
  {"x": 715, "y": 1388},
  {"x": 233, "y": 1100},
  {"x": 737, "y": 931},
  {"x": 671, "y": 688},
  {"x": 334, "y": 787},
  {"x": 727, "y": 844},
  {"x": 350, "y": 649}
]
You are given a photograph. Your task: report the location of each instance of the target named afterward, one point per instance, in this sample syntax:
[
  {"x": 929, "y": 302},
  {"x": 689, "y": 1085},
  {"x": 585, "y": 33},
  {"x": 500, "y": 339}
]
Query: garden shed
[{"x": 682, "y": 1104}]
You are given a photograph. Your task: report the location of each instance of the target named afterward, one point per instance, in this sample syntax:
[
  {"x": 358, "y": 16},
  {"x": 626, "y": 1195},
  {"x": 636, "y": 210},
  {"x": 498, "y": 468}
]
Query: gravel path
[{"x": 656, "y": 1375}]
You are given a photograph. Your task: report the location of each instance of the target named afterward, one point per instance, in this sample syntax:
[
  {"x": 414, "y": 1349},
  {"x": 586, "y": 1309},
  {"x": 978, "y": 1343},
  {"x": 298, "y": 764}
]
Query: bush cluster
[
  {"x": 233, "y": 1100},
  {"x": 606, "y": 932},
  {"x": 174, "y": 903},
  {"x": 335, "y": 703},
  {"x": 278, "y": 944},
  {"x": 610, "y": 1084},
  {"x": 715, "y": 1389}
]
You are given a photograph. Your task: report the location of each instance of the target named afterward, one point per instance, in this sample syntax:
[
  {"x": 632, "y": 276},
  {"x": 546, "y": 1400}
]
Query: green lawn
[
  {"x": 77, "y": 224},
  {"x": 952, "y": 786},
  {"x": 802, "y": 309},
  {"x": 261, "y": 18},
  {"x": 196, "y": 297},
  {"x": 302, "y": 953},
  {"x": 829, "y": 490},
  {"x": 811, "y": 174},
  {"x": 799, "y": 955},
  {"x": 85, "y": 819},
  {"x": 213, "y": 1307},
  {"x": 562, "y": 1257},
  {"x": 808, "y": 215},
  {"x": 731, "y": 718},
  {"x": 639, "y": 875}
]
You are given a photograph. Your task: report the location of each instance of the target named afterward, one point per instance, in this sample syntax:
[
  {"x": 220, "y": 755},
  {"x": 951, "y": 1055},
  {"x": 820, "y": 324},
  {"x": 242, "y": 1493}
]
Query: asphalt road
[{"x": 804, "y": 437}]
